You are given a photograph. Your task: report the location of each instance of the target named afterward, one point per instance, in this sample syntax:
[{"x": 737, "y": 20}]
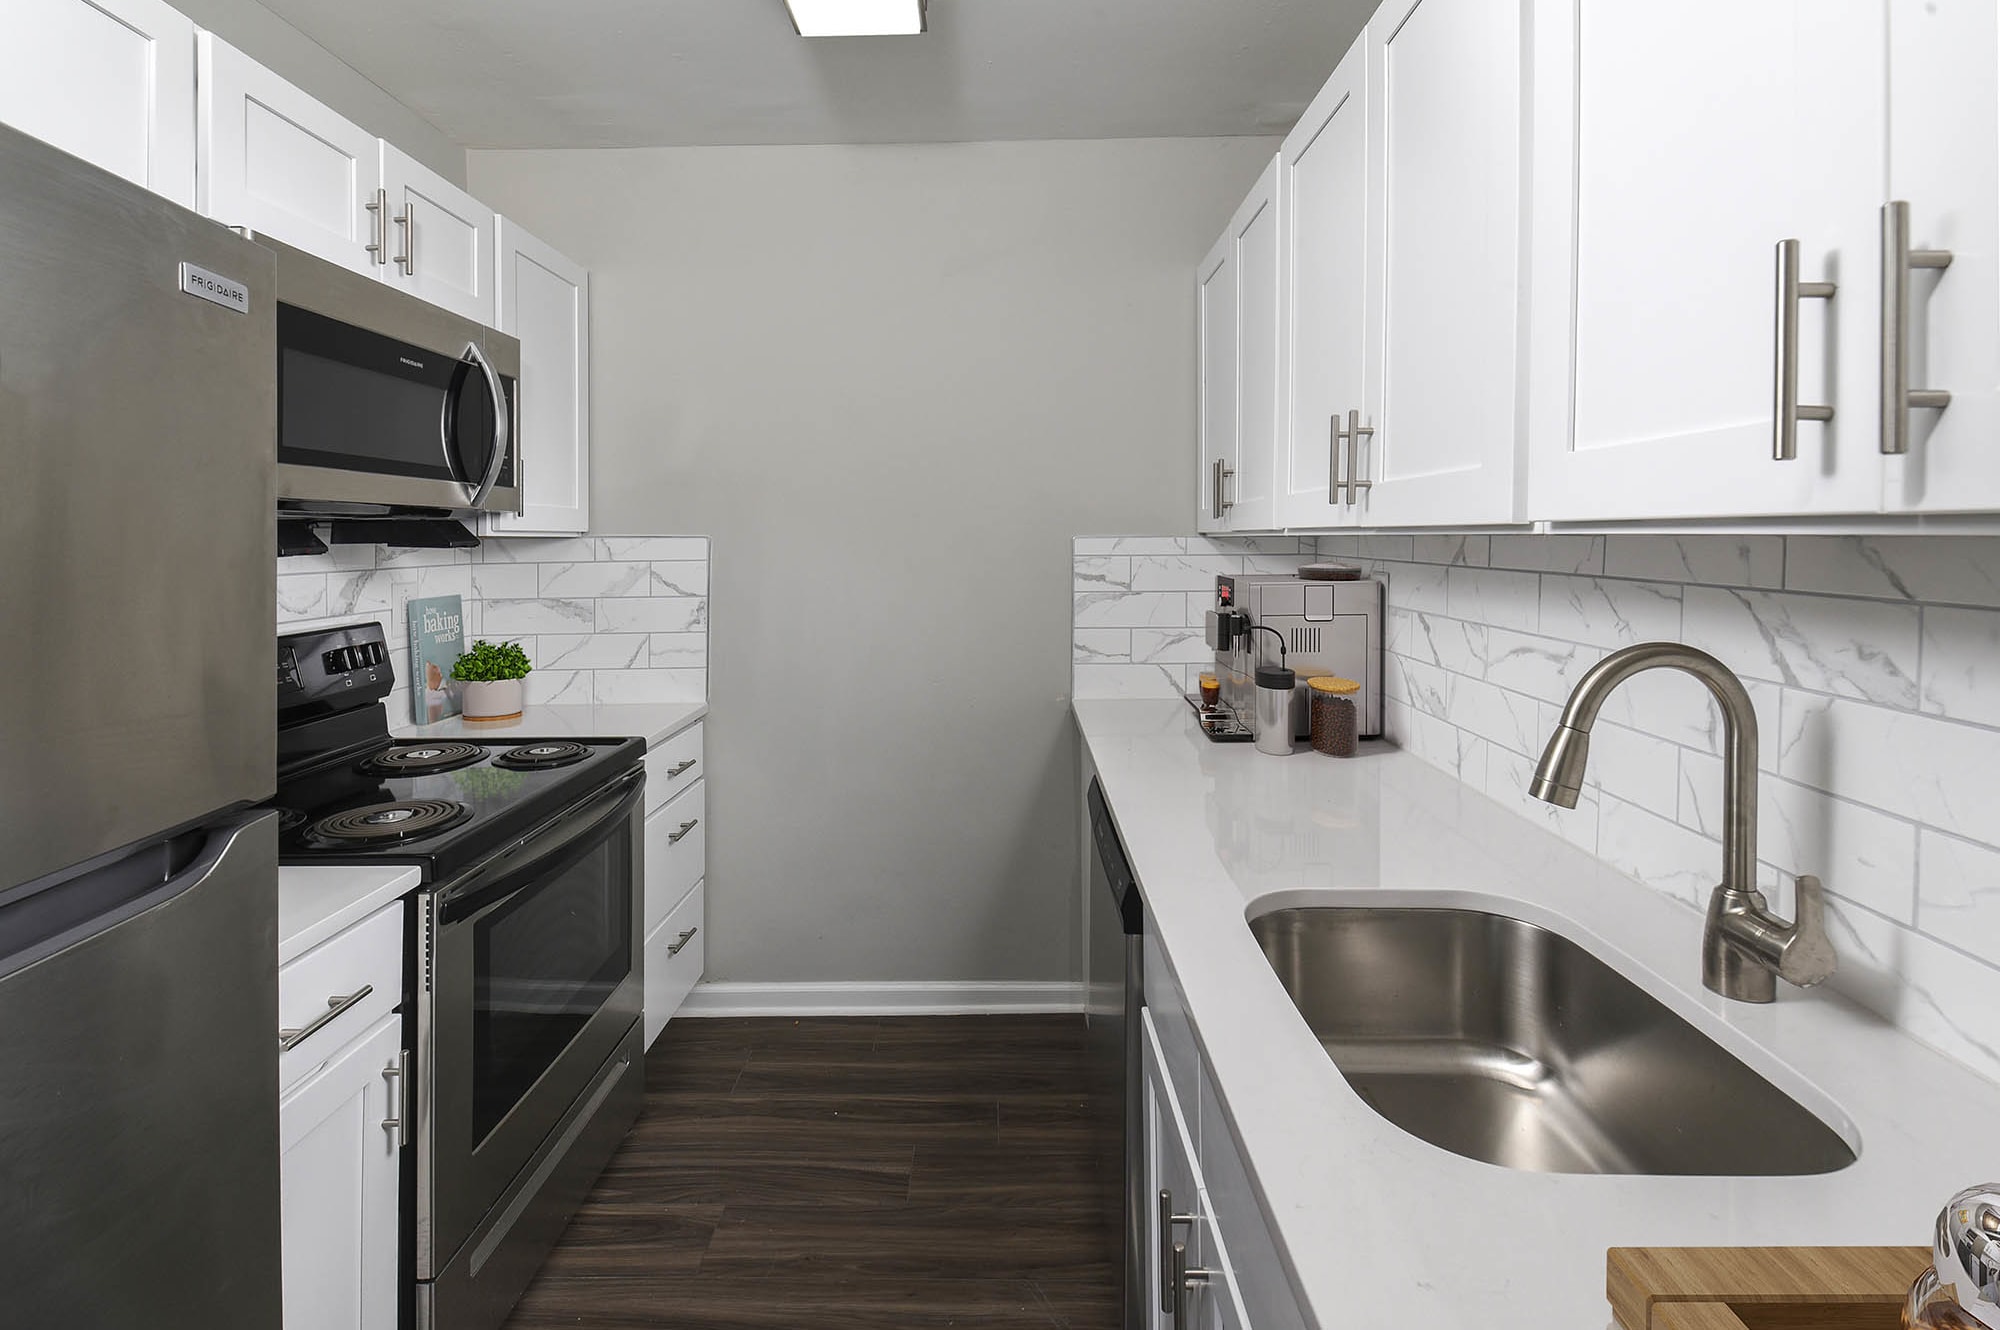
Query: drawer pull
[
  {"x": 687, "y": 936},
  {"x": 1186, "y": 1281},
  {"x": 291, "y": 1039},
  {"x": 397, "y": 1075},
  {"x": 682, "y": 767},
  {"x": 676, "y": 837},
  {"x": 1168, "y": 1221},
  {"x": 1787, "y": 412},
  {"x": 1898, "y": 261}
]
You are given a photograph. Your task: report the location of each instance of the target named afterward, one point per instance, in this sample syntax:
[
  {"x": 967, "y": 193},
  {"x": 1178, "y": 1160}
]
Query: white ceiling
[{"x": 632, "y": 73}]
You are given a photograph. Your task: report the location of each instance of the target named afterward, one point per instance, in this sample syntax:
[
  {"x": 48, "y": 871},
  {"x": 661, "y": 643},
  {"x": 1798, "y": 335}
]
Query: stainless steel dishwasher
[{"x": 1116, "y": 989}]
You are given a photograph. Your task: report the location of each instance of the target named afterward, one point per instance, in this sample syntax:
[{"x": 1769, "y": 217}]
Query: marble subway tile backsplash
[
  {"x": 1874, "y": 664},
  {"x": 1138, "y": 602},
  {"x": 602, "y": 618}
]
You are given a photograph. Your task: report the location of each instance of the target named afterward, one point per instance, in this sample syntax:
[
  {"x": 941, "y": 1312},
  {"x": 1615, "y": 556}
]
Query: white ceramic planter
[{"x": 498, "y": 699}]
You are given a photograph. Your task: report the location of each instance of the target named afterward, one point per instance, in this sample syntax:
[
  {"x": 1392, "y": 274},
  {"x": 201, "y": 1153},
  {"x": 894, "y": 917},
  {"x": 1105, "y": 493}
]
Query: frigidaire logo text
[
  {"x": 413, "y": 364},
  {"x": 235, "y": 295}
]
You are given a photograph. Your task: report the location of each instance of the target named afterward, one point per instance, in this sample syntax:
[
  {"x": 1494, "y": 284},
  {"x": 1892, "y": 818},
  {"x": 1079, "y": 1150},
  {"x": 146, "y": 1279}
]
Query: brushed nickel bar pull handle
[
  {"x": 407, "y": 260},
  {"x": 1218, "y": 486},
  {"x": 1786, "y": 413},
  {"x": 378, "y": 227},
  {"x": 680, "y": 767},
  {"x": 1898, "y": 262},
  {"x": 1167, "y": 1221},
  {"x": 397, "y": 1074},
  {"x": 686, "y": 936},
  {"x": 335, "y": 1008},
  {"x": 1356, "y": 432},
  {"x": 1186, "y": 1281},
  {"x": 676, "y": 837},
  {"x": 1336, "y": 459}
]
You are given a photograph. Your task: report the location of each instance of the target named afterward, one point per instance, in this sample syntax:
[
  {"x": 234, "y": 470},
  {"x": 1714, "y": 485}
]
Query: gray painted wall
[
  {"x": 892, "y": 383},
  {"x": 276, "y": 44}
]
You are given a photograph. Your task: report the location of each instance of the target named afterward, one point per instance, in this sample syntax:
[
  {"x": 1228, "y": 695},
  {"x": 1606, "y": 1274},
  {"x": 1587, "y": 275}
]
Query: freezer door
[
  {"x": 139, "y": 1100},
  {"x": 138, "y": 449}
]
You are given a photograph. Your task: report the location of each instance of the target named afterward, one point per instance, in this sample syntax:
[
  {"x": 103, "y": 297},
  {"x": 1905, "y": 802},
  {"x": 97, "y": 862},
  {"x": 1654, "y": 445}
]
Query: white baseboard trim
[{"x": 886, "y": 999}]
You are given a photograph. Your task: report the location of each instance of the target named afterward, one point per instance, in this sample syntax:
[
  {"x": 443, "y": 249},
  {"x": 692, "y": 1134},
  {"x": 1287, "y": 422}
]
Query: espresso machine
[{"x": 1326, "y": 627}]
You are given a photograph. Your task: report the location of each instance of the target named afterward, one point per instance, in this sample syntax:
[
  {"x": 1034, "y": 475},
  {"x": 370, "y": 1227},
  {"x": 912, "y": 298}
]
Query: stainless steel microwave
[{"x": 386, "y": 403}]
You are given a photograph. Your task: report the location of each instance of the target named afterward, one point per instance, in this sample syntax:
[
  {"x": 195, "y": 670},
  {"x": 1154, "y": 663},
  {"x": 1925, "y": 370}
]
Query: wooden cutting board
[{"x": 1761, "y": 1288}]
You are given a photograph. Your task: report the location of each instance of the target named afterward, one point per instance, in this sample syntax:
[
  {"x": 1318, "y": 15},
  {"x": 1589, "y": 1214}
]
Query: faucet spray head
[{"x": 1559, "y": 775}]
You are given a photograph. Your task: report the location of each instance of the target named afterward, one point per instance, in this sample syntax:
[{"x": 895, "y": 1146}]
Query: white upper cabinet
[
  {"x": 111, "y": 81},
  {"x": 1323, "y": 262},
  {"x": 1240, "y": 405},
  {"x": 440, "y": 238},
  {"x": 279, "y": 162},
  {"x": 1675, "y": 147},
  {"x": 1257, "y": 233},
  {"x": 1944, "y": 162},
  {"x": 1445, "y": 192},
  {"x": 544, "y": 300},
  {"x": 1215, "y": 300}
]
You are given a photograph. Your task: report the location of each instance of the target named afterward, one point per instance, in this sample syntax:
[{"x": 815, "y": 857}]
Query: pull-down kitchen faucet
[{"x": 1745, "y": 950}]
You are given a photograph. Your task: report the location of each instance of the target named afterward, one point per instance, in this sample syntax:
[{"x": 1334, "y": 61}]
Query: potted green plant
[{"x": 492, "y": 677}]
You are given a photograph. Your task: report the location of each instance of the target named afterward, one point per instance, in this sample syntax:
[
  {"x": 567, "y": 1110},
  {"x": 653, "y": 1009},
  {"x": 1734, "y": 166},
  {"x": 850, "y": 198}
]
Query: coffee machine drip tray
[{"x": 1220, "y": 724}]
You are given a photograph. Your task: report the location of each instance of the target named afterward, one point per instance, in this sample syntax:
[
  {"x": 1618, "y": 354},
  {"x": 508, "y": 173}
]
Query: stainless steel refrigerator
[{"x": 138, "y": 885}]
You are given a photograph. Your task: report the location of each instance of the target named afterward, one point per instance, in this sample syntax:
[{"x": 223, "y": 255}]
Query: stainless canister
[{"x": 1273, "y": 715}]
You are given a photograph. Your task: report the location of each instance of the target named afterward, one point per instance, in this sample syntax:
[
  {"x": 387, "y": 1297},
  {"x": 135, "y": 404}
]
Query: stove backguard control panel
[{"x": 333, "y": 669}]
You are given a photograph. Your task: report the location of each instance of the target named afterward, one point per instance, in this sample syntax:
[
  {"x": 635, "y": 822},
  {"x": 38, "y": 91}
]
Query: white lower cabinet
[
  {"x": 340, "y": 1136},
  {"x": 1190, "y": 1281},
  {"x": 676, "y": 863},
  {"x": 343, "y": 1104},
  {"x": 674, "y": 957}
]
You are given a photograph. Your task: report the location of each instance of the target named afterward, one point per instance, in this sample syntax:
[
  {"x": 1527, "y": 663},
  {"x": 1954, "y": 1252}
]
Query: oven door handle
[{"x": 581, "y": 831}]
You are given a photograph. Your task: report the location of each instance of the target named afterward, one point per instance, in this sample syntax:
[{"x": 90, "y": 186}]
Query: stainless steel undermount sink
[{"x": 1504, "y": 1042}]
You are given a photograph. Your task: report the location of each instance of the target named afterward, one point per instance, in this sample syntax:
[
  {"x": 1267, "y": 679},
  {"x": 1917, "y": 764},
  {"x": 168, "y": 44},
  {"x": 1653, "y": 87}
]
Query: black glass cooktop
[{"x": 443, "y": 805}]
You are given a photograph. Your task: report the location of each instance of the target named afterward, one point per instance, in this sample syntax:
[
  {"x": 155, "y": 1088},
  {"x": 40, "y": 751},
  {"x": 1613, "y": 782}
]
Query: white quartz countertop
[
  {"x": 655, "y": 723},
  {"x": 1380, "y": 1228},
  {"x": 319, "y": 900}
]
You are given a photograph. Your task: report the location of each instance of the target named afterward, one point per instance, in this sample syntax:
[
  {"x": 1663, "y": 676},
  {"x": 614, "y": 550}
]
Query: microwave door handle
[{"x": 501, "y": 433}]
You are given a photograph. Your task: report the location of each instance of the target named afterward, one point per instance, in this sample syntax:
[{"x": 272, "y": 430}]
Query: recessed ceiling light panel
[{"x": 857, "y": 18}]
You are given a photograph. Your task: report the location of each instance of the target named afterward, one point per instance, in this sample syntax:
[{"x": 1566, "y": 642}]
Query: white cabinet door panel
[
  {"x": 1944, "y": 161},
  {"x": 1216, "y": 295},
  {"x": 676, "y": 951},
  {"x": 1699, "y": 137},
  {"x": 111, "y": 81},
  {"x": 339, "y": 1176},
  {"x": 1256, "y": 234},
  {"x": 278, "y": 162},
  {"x": 1323, "y": 262},
  {"x": 544, "y": 300},
  {"x": 676, "y": 849},
  {"x": 440, "y": 238},
  {"x": 1445, "y": 191}
]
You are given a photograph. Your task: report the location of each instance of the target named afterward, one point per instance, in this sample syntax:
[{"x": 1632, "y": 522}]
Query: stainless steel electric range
[{"x": 523, "y": 995}]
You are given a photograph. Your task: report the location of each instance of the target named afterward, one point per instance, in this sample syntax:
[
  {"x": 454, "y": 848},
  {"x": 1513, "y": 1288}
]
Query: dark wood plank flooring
[{"x": 863, "y": 1173}]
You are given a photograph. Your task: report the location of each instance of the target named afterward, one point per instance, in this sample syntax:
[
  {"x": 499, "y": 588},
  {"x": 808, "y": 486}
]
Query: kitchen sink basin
[{"x": 1502, "y": 1041}]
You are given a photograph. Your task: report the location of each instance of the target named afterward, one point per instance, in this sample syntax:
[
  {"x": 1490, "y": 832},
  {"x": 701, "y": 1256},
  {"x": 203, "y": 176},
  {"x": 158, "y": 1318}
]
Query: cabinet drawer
[
  {"x": 676, "y": 840},
  {"x": 673, "y": 766},
  {"x": 367, "y": 956},
  {"x": 674, "y": 953}
]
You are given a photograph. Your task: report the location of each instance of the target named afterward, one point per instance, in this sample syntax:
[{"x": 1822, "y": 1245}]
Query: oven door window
[
  {"x": 544, "y": 961},
  {"x": 355, "y": 400}
]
